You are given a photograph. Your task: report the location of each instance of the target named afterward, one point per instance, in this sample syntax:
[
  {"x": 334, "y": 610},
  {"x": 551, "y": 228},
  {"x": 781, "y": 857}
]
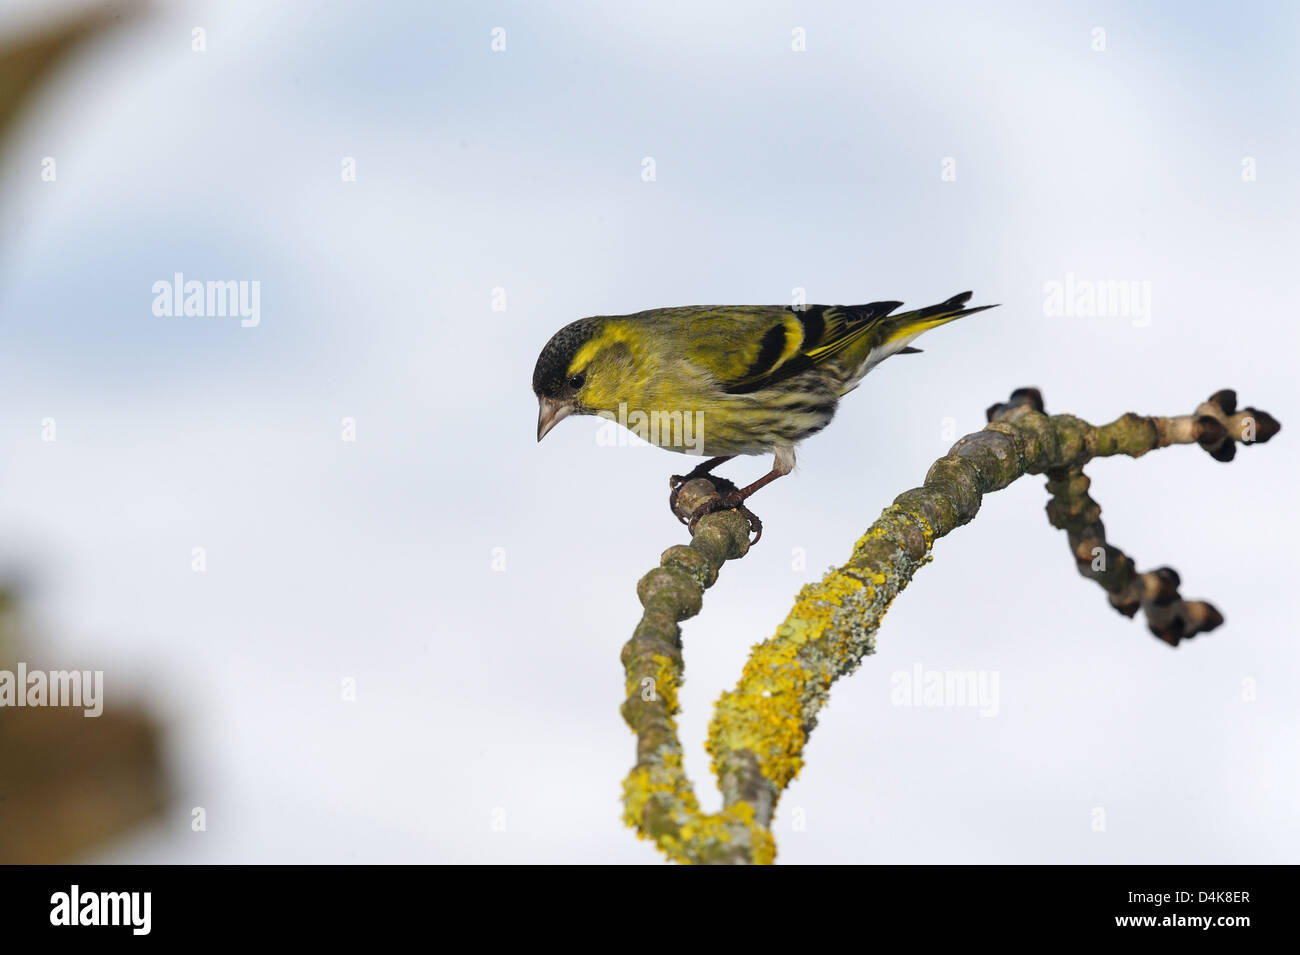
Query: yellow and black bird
[{"x": 743, "y": 379}]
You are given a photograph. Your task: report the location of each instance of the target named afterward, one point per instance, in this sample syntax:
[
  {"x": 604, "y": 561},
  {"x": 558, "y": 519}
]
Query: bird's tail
[
  {"x": 901, "y": 329},
  {"x": 896, "y": 332}
]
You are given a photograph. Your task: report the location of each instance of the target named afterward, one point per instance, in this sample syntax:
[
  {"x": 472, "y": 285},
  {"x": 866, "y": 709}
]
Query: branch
[
  {"x": 1216, "y": 426},
  {"x": 759, "y": 729}
]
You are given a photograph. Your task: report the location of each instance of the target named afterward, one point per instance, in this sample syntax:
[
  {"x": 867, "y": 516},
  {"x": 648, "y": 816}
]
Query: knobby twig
[{"x": 759, "y": 729}]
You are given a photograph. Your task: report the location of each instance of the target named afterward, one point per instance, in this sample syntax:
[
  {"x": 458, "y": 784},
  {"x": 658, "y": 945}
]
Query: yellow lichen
[
  {"x": 770, "y": 712},
  {"x": 762, "y": 845},
  {"x": 665, "y": 682},
  {"x": 662, "y": 779}
]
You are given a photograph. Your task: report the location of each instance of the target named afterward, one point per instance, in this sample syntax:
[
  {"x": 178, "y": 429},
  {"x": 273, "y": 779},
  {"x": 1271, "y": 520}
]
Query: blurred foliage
[
  {"x": 68, "y": 783},
  {"x": 7, "y": 604},
  {"x": 29, "y": 59}
]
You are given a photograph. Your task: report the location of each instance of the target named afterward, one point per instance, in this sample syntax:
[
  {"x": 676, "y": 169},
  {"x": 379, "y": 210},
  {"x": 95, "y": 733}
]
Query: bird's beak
[{"x": 550, "y": 413}]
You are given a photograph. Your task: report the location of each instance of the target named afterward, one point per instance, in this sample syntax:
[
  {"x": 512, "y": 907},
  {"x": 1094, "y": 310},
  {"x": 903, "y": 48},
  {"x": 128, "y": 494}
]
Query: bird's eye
[{"x": 575, "y": 381}]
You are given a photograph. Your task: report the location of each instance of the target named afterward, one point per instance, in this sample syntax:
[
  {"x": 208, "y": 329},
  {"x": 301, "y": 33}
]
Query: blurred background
[{"x": 346, "y": 608}]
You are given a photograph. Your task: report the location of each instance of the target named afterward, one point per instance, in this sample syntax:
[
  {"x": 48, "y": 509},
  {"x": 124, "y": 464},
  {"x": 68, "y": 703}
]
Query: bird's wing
[{"x": 780, "y": 342}]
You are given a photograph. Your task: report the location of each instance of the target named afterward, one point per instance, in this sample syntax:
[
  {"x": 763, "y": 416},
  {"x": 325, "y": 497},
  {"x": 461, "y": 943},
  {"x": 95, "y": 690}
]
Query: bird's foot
[
  {"x": 726, "y": 500},
  {"x": 708, "y": 486},
  {"x": 678, "y": 481},
  {"x": 675, "y": 484}
]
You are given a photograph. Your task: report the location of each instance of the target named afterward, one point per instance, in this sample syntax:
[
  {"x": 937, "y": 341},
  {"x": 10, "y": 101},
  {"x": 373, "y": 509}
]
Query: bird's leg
[
  {"x": 678, "y": 481},
  {"x": 782, "y": 464}
]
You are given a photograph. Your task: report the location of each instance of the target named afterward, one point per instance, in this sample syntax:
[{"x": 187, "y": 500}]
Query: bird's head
[{"x": 585, "y": 368}]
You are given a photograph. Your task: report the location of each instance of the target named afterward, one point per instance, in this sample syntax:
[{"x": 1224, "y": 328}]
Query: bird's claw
[
  {"x": 675, "y": 484},
  {"x": 731, "y": 500},
  {"x": 679, "y": 481},
  {"x": 726, "y": 497}
]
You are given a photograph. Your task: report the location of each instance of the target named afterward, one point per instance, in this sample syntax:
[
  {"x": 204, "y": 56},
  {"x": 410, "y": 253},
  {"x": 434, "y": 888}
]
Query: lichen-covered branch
[
  {"x": 1217, "y": 427},
  {"x": 759, "y": 729}
]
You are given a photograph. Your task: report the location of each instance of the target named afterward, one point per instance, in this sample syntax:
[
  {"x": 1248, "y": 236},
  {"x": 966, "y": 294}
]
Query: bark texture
[{"x": 759, "y": 729}]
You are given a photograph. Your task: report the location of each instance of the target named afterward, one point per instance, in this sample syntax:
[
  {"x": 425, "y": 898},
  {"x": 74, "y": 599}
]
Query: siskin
[{"x": 742, "y": 379}]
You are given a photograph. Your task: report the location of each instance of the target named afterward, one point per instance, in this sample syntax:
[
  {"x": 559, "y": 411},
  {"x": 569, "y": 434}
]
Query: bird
[{"x": 722, "y": 381}]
